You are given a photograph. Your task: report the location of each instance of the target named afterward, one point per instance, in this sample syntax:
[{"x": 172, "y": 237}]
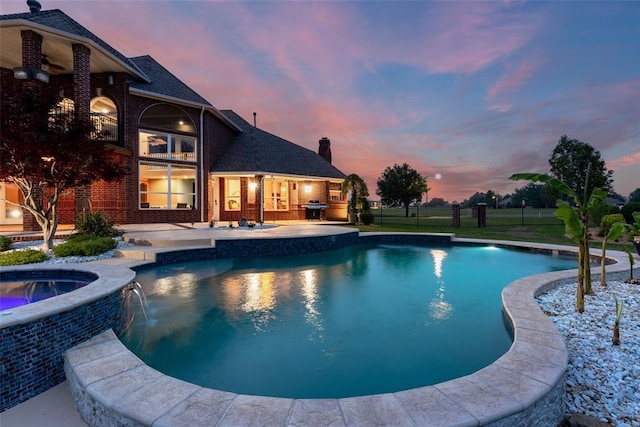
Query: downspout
[{"x": 202, "y": 171}]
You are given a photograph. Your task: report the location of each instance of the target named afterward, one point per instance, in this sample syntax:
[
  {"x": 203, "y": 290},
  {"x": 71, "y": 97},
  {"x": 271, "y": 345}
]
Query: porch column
[{"x": 82, "y": 108}]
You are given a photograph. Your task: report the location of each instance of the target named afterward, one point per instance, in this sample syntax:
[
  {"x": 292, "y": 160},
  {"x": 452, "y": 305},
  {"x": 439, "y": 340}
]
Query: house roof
[
  {"x": 149, "y": 78},
  {"x": 256, "y": 151},
  {"x": 163, "y": 82},
  {"x": 64, "y": 25}
]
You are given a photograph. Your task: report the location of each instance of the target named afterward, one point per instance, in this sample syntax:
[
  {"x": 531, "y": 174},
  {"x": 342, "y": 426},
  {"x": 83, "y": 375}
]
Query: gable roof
[
  {"x": 163, "y": 82},
  {"x": 255, "y": 151}
]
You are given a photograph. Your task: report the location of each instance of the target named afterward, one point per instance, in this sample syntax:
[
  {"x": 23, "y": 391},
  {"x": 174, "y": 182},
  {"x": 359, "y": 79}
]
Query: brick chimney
[{"x": 324, "y": 149}]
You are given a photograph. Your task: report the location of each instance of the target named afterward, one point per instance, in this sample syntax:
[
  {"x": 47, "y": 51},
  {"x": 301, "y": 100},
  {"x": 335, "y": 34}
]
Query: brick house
[{"x": 188, "y": 161}]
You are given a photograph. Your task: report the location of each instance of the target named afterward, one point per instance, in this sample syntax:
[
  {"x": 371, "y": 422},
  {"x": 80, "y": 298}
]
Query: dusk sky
[{"x": 474, "y": 91}]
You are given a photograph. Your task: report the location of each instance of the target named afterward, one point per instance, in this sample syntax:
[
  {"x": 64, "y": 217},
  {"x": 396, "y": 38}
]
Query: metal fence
[{"x": 425, "y": 216}]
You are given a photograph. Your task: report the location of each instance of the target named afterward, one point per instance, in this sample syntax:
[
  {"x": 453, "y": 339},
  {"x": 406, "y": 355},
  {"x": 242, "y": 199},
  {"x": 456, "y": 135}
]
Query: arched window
[
  {"x": 167, "y": 117},
  {"x": 104, "y": 118},
  {"x": 167, "y": 132}
]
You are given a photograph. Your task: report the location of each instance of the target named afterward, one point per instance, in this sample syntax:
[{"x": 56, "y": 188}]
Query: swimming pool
[{"x": 360, "y": 320}]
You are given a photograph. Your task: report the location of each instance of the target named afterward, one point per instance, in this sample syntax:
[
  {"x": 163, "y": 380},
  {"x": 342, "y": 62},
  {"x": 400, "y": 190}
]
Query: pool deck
[{"x": 535, "y": 364}]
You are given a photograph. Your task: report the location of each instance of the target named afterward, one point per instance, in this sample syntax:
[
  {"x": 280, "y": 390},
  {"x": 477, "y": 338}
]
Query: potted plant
[{"x": 358, "y": 188}]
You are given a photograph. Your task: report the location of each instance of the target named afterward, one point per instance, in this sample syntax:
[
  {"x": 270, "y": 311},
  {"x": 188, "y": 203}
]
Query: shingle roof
[
  {"x": 255, "y": 150},
  {"x": 163, "y": 82},
  {"x": 58, "y": 20}
]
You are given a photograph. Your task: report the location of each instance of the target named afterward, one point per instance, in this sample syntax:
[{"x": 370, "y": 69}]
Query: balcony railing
[{"x": 105, "y": 128}]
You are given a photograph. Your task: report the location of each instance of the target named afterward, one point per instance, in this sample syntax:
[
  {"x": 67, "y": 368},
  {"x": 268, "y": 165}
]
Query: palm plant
[
  {"x": 576, "y": 223},
  {"x": 616, "y": 325}
]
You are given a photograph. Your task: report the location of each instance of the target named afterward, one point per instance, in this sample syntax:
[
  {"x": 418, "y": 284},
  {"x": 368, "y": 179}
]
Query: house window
[
  {"x": 335, "y": 191},
  {"x": 167, "y": 117},
  {"x": 167, "y": 186},
  {"x": 276, "y": 194},
  {"x": 104, "y": 118},
  {"x": 232, "y": 194},
  {"x": 161, "y": 145}
]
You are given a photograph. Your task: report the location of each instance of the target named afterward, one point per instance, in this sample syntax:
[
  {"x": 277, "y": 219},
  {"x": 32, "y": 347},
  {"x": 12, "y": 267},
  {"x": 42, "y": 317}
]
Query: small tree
[
  {"x": 358, "y": 188},
  {"x": 571, "y": 157},
  {"x": 401, "y": 186},
  {"x": 576, "y": 221},
  {"x": 45, "y": 154}
]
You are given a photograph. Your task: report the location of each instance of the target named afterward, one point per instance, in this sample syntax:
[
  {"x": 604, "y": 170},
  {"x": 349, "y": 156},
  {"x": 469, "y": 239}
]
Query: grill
[{"x": 314, "y": 209}]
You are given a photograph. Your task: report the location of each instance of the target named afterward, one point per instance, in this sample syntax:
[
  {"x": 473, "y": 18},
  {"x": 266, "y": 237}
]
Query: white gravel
[
  {"x": 37, "y": 244},
  {"x": 603, "y": 380}
]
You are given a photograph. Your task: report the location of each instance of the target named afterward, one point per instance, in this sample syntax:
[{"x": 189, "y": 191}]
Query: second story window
[
  {"x": 104, "y": 118},
  {"x": 167, "y": 132}
]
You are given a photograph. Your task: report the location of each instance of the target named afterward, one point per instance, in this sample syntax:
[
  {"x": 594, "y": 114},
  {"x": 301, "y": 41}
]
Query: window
[
  {"x": 276, "y": 194},
  {"x": 232, "y": 194},
  {"x": 335, "y": 191},
  {"x": 167, "y": 146},
  {"x": 166, "y": 186},
  {"x": 168, "y": 117},
  {"x": 104, "y": 118}
]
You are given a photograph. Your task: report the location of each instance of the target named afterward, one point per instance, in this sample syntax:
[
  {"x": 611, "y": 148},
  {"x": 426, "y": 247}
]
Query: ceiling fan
[{"x": 49, "y": 66}]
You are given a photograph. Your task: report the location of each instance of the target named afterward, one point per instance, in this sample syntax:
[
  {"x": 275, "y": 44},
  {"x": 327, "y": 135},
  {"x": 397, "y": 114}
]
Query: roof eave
[{"x": 271, "y": 173}]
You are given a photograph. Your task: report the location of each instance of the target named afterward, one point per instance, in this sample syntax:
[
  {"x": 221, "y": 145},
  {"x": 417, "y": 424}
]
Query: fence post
[
  {"x": 417, "y": 214},
  {"x": 455, "y": 211},
  {"x": 482, "y": 215},
  {"x": 522, "y": 214}
]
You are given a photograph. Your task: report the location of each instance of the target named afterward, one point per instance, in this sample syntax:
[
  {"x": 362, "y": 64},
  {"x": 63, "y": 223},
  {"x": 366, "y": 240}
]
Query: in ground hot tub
[{"x": 34, "y": 336}]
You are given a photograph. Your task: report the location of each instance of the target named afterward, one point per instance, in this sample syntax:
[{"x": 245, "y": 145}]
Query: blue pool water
[
  {"x": 356, "y": 321},
  {"x": 17, "y": 293}
]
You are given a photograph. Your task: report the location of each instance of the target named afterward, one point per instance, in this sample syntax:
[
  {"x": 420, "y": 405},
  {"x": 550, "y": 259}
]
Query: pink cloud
[{"x": 513, "y": 79}]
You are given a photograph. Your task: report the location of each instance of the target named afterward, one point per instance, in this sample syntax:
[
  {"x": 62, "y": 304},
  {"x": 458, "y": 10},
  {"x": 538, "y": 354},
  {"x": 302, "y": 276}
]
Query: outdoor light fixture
[
  {"x": 252, "y": 186},
  {"x": 26, "y": 73},
  {"x": 307, "y": 188}
]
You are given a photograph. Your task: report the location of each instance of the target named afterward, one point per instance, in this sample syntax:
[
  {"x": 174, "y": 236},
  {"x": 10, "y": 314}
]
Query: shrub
[
  {"x": 608, "y": 221},
  {"x": 25, "y": 256},
  {"x": 96, "y": 225},
  {"x": 599, "y": 209},
  {"x": 367, "y": 217},
  {"x": 628, "y": 210},
  {"x": 81, "y": 245},
  {"x": 5, "y": 243}
]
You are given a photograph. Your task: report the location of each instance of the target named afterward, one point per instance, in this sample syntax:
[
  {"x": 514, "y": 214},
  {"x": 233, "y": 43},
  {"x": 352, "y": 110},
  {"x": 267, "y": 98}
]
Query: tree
[
  {"x": 437, "y": 202},
  {"x": 634, "y": 196},
  {"x": 535, "y": 195},
  {"x": 569, "y": 162},
  {"x": 401, "y": 186},
  {"x": 576, "y": 223},
  {"x": 46, "y": 154},
  {"x": 359, "y": 192}
]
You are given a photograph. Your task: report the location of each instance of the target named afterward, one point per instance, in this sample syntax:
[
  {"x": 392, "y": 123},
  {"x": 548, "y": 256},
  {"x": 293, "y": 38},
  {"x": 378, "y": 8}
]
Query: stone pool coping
[
  {"x": 525, "y": 386},
  {"x": 109, "y": 279}
]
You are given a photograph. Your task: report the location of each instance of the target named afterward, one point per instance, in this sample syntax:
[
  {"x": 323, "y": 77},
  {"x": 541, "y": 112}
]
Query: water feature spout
[{"x": 136, "y": 288}]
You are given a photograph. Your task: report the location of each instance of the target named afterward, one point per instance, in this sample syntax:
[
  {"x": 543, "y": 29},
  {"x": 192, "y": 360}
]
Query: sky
[{"x": 470, "y": 91}]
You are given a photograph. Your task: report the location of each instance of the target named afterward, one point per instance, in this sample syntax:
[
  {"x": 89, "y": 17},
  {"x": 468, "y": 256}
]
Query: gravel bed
[
  {"x": 603, "y": 380},
  {"x": 37, "y": 244}
]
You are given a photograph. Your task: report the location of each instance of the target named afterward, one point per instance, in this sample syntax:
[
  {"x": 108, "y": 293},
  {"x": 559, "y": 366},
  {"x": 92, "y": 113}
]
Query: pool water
[
  {"x": 356, "y": 321},
  {"x": 17, "y": 293}
]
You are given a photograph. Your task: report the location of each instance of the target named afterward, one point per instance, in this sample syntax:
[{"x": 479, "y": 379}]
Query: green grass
[{"x": 553, "y": 234}]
